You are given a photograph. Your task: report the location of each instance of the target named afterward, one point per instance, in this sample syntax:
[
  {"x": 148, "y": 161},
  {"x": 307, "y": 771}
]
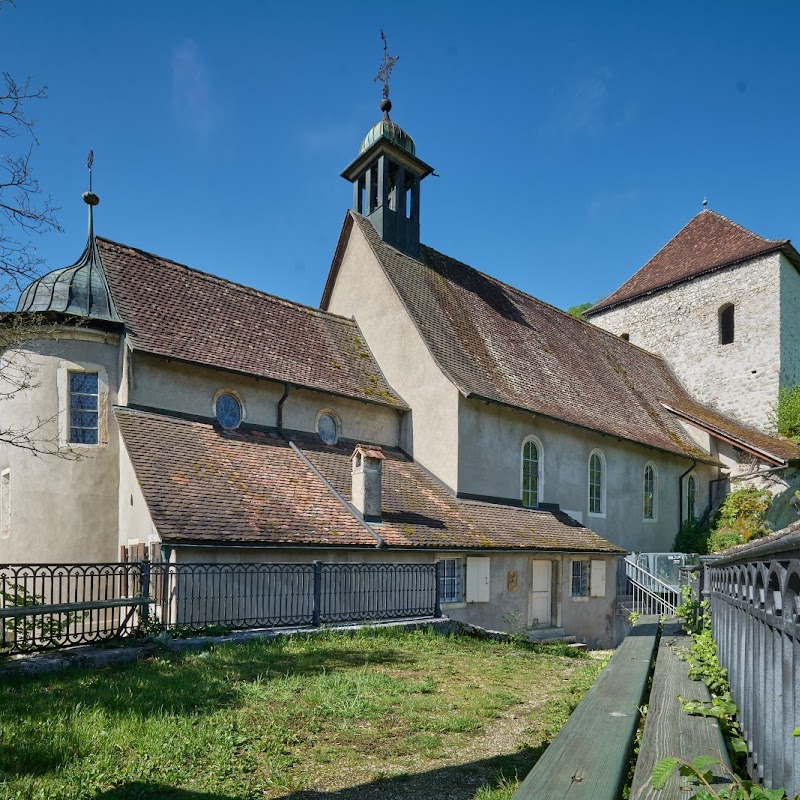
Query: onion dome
[
  {"x": 386, "y": 129},
  {"x": 80, "y": 289}
]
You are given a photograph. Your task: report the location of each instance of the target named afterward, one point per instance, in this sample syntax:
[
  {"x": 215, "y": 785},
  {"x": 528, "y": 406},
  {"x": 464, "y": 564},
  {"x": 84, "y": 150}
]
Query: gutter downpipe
[
  {"x": 680, "y": 494},
  {"x": 280, "y": 405}
]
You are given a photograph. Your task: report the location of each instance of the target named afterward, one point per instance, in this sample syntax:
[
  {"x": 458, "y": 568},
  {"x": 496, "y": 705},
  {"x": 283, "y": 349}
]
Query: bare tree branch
[{"x": 25, "y": 213}]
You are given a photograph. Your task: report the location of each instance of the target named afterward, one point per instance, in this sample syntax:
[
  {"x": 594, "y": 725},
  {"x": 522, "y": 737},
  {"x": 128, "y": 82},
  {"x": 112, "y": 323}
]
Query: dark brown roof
[
  {"x": 495, "y": 342},
  {"x": 205, "y": 485},
  {"x": 708, "y": 242},
  {"x": 178, "y": 312},
  {"x": 498, "y": 343},
  {"x": 767, "y": 448}
]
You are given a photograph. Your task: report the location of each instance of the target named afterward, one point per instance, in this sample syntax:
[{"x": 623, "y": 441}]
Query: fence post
[
  {"x": 144, "y": 586},
  {"x": 317, "y": 615},
  {"x": 437, "y": 608}
]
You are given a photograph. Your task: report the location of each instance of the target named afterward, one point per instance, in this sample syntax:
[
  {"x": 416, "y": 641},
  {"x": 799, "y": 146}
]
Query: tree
[
  {"x": 25, "y": 213},
  {"x": 577, "y": 311}
]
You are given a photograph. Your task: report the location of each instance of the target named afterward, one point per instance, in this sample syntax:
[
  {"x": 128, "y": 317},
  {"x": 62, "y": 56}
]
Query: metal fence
[
  {"x": 648, "y": 593},
  {"x": 44, "y": 606},
  {"x": 755, "y": 613}
]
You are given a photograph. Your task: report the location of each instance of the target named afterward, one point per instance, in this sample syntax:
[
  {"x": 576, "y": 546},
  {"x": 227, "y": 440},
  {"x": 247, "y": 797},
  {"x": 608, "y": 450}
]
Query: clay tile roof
[
  {"x": 500, "y": 344},
  {"x": 177, "y": 312},
  {"x": 708, "y": 242},
  {"x": 417, "y": 511},
  {"x": 769, "y": 448},
  {"x": 203, "y": 485},
  {"x": 369, "y": 451}
]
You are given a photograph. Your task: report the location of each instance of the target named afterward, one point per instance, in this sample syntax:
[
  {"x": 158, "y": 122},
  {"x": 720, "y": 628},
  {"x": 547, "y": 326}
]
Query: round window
[
  {"x": 327, "y": 428},
  {"x": 228, "y": 411}
]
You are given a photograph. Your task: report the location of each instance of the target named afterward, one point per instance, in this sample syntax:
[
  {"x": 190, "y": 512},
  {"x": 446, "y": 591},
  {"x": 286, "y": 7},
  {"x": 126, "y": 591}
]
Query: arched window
[
  {"x": 691, "y": 498},
  {"x": 726, "y": 324},
  {"x": 597, "y": 483},
  {"x": 649, "y": 491},
  {"x": 531, "y": 472}
]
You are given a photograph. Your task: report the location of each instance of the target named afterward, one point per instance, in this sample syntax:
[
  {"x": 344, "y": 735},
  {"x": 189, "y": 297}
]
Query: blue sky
[{"x": 572, "y": 139}]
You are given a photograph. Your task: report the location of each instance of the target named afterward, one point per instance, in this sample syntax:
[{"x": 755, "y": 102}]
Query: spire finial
[
  {"x": 387, "y": 65},
  {"x": 705, "y": 203},
  {"x": 90, "y": 198}
]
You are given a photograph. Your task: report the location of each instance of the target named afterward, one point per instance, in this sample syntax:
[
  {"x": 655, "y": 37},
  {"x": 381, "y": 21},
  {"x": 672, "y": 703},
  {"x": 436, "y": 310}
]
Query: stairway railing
[{"x": 649, "y": 594}]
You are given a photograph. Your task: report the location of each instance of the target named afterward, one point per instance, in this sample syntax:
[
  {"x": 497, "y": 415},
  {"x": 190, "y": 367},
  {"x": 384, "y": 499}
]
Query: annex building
[{"x": 426, "y": 411}]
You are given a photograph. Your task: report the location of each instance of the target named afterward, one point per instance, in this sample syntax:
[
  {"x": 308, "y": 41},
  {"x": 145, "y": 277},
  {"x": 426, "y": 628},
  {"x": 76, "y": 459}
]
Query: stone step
[{"x": 550, "y": 635}]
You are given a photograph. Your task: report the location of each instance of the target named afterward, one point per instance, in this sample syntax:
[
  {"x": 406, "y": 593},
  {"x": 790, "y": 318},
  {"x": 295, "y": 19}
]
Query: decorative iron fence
[
  {"x": 755, "y": 613},
  {"x": 43, "y": 606}
]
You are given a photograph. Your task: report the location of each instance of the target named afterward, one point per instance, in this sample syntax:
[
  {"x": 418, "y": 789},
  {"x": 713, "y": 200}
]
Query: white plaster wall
[
  {"x": 681, "y": 324},
  {"x": 135, "y": 523},
  {"x": 172, "y": 386},
  {"x": 363, "y": 291},
  {"x": 490, "y": 464},
  {"x": 63, "y": 510},
  {"x": 590, "y": 619},
  {"x": 790, "y": 324}
]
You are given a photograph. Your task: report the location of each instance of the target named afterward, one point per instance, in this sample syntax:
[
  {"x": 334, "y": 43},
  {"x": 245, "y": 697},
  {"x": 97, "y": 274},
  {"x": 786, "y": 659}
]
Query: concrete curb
[{"x": 99, "y": 657}]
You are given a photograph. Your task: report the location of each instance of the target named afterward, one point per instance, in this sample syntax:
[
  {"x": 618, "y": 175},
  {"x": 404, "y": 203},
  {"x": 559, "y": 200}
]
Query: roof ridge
[
  {"x": 227, "y": 282},
  {"x": 735, "y": 224}
]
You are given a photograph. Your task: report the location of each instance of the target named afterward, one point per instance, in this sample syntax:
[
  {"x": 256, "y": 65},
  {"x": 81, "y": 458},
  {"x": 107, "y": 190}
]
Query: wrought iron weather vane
[{"x": 387, "y": 65}]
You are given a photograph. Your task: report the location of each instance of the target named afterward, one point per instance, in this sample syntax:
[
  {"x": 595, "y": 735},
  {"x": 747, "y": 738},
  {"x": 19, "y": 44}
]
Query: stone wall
[
  {"x": 681, "y": 323},
  {"x": 790, "y": 325}
]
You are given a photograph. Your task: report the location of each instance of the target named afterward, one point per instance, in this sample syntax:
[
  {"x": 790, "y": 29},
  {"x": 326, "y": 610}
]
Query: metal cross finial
[{"x": 386, "y": 67}]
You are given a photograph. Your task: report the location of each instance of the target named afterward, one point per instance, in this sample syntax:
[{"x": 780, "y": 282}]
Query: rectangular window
[
  {"x": 5, "y": 504},
  {"x": 450, "y": 590},
  {"x": 580, "y": 577},
  {"x": 83, "y": 407}
]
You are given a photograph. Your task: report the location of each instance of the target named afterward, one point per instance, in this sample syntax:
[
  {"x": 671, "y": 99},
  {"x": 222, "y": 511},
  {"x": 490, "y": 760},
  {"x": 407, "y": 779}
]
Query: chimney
[{"x": 367, "y": 463}]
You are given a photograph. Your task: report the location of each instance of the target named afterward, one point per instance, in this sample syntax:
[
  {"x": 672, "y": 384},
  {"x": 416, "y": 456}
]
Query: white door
[{"x": 539, "y": 606}]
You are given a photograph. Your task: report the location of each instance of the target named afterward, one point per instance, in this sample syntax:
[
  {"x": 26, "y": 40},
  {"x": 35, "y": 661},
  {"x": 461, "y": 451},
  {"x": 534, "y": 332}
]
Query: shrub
[
  {"x": 785, "y": 415},
  {"x": 741, "y": 518}
]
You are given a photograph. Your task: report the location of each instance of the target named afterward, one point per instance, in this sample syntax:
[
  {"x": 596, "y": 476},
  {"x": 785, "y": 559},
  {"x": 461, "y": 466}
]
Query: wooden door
[{"x": 539, "y": 605}]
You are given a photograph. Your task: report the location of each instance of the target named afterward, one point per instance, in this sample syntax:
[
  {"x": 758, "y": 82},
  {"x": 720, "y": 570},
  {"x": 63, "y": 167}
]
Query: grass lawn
[{"x": 384, "y": 714}]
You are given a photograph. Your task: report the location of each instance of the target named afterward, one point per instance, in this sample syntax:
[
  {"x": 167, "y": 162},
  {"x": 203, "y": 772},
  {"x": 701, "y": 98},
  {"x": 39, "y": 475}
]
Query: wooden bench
[
  {"x": 668, "y": 729},
  {"x": 590, "y": 756}
]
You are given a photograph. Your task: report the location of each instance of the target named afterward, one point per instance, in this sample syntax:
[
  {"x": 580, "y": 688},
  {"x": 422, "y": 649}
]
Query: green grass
[{"x": 271, "y": 719}]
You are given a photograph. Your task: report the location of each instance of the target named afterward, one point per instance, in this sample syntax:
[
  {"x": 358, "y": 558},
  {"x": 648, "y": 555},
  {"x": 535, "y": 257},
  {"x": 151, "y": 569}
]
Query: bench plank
[
  {"x": 69, "y": 608},
  {"x": 668, "y": 729},
  {"x": 589, "y": 758}
]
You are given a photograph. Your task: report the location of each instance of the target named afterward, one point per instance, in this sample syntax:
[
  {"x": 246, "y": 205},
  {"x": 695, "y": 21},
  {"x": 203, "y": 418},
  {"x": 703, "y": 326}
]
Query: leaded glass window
[
  {"x": 327, "y": 428},
  {"x": 691, "y": 498},
  {"x": 649, "y": 494},
  {"x": 228, "y": 411},
  {"x": 450, "y": 590},
  {"x": 530, "y": 475},
  {"x": 595, "y": 484},
  {"x": 83, "y": 407}
]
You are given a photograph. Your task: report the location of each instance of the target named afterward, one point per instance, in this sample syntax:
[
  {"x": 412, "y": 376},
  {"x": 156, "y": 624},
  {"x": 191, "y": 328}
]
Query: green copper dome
[{"x": 386, "y": 129}]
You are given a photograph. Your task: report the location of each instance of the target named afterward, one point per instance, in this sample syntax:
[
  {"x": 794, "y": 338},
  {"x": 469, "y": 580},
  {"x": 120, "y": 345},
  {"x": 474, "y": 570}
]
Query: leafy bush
[
  {"x": 741, "y": 518},
  {"x": 785, "y": 415},
  {"x": 693, "y": 537}
]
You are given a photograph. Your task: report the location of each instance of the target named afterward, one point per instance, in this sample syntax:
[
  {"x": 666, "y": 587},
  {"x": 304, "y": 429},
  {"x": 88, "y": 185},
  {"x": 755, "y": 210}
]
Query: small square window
[
  {"x": 580, "y": 577},
  {"x": 83, "y": 407},
  {"x": 450, "y": 584}
]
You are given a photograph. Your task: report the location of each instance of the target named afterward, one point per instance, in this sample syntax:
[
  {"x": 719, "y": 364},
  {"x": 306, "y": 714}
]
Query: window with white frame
[
  {"x": 580, "y": 577},
  {"x": 450, "y": 583},
  {"x": 691, "y": 498},
  {"x": 597, "y": 488},
  {"x": 531, "y": 472},
  {"x": 84, "y": 396},
  {"x": 649, "y": 492}
]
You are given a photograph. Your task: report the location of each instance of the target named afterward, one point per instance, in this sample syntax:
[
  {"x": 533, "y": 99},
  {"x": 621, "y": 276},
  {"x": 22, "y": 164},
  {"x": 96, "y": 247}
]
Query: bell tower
[{"x": 386, "y": 175}]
